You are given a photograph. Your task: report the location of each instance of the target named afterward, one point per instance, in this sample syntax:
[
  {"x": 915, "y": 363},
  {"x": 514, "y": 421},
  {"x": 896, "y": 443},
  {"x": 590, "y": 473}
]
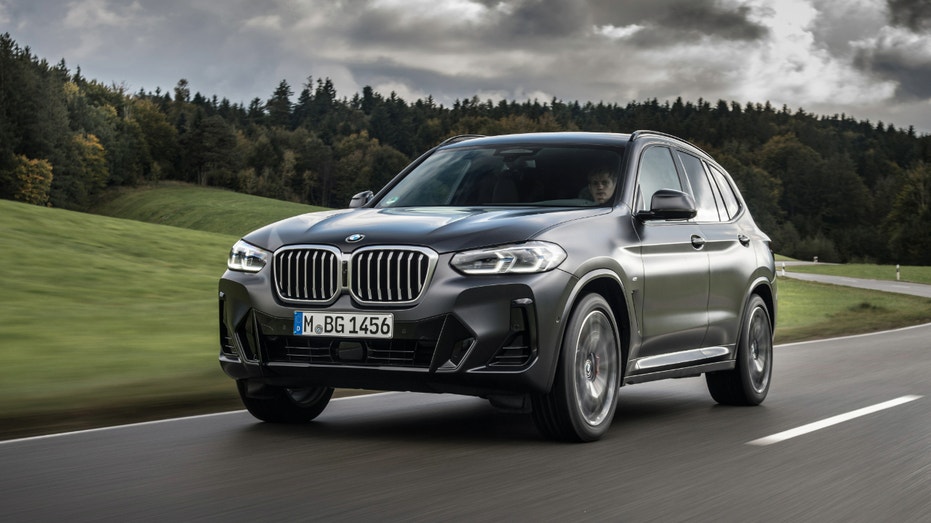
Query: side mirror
[
  {"x": 361, "y": 199},
  {"x": 668, "y": 204}
]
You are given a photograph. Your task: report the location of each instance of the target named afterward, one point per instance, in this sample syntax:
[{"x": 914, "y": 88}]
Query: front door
[{"x": 675, "y": 267}]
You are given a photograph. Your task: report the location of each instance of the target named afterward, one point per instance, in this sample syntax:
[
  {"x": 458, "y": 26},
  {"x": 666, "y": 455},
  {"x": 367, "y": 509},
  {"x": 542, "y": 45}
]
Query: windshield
[{"x": 510, "y": 175}]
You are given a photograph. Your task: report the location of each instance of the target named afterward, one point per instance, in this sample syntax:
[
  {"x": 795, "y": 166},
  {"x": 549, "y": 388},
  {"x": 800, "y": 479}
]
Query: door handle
[
  {"x": 697, "y": 241},
  {"x": 743, "y": 239}
]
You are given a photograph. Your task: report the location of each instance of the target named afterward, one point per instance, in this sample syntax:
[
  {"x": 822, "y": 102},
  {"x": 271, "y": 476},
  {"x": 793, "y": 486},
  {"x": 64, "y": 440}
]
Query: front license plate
[{"x": 344, "y": 324}]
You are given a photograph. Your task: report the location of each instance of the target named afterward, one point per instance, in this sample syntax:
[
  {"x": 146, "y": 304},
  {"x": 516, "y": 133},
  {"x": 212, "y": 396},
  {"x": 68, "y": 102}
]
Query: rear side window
[
  {"x": 657, "y": 171},
  {"x": 730, "y": 203},
  {"x": 701, "y": 188}
]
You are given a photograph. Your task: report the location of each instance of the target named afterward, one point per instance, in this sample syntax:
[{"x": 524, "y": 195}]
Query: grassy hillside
[
  {"x": 99, "y": 312},
  {"x": 107, "y": 320},
  {"x": 199, "y": 208}
]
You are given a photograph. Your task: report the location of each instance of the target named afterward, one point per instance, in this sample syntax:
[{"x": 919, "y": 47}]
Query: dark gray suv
[{"x": 541, "y": 271}]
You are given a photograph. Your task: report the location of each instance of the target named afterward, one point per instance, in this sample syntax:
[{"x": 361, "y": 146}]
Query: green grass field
[
  {"x": 100, "y": 313},
  {"x": 873, "y": 272},
  {"x": 107, "y": 320},
  {"x": 200, "y": 208},
  {"x": 809, "y": 310}
]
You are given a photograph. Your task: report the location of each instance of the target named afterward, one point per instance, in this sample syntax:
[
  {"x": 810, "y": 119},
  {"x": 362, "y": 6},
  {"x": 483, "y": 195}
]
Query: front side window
[
  {"x": 510, "y": 175},
  {"x": 657, "y": 171}
]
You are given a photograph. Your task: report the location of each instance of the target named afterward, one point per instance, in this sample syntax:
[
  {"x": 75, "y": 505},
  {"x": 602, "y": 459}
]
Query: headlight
[
  {"x": 248, "y": 258},
  {"x": 510, "y": 259}
]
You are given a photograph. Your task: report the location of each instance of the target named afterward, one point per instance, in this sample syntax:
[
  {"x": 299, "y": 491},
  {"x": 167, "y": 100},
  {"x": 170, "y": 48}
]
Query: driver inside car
[{"x": 601, "y": 185}]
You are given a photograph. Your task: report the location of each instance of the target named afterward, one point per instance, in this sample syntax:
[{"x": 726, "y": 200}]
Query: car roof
[{"x": 549, "y": 138}]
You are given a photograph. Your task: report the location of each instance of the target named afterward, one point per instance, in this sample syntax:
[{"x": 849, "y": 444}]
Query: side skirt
[{"x": 683, "y": 372}]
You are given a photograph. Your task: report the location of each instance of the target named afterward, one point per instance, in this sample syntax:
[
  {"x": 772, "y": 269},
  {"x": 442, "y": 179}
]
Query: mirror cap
[
  {"x": 668, "y": 204},
  {"x": 359, "y": 200}
]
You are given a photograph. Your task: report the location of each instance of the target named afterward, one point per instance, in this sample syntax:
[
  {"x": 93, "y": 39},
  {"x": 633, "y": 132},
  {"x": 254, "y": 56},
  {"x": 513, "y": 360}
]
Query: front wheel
[
  {"x": 284, "y": 405},
  {"x": 748, "y": 382},
  {"x": 581, "y": 404}
]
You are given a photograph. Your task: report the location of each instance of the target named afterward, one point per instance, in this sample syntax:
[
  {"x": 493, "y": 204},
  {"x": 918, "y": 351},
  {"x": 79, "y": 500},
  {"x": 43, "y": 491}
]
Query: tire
[
  {"x": 581, "y": 404},
  {"x": 283, "y": 405},
  {"x": 748, "y": 382}
]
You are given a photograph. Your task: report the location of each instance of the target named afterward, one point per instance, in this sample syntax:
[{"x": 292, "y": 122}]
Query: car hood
[{"x": 443, "y": 229}]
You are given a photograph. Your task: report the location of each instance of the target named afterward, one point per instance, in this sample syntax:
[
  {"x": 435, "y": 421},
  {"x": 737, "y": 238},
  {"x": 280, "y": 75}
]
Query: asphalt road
[
  {"x": 899, "y": 287},
  {"x": 671, "y": 455}
]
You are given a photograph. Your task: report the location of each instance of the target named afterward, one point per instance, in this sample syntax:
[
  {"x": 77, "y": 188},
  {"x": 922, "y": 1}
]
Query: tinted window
[
  {"x": 508, "y": 175},
  {"x": 701, "y": 188},
  {"x": 731, "y": 204},
  {"x": 657, "y": 171}
]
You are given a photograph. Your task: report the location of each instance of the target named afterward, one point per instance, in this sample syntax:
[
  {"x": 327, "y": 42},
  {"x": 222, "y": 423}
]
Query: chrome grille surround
[
  {"x": 390, "y": 274},
  {"x": 307, "y": 273},
  {"x": 375, "y": 275}
]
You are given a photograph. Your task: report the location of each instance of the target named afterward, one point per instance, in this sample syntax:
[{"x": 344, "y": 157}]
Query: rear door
[{"x": 732, "y": 259}]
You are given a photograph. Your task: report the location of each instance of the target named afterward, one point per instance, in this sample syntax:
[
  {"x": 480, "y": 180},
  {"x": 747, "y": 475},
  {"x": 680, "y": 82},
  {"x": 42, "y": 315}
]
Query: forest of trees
[{"x": 831, "y": 186}]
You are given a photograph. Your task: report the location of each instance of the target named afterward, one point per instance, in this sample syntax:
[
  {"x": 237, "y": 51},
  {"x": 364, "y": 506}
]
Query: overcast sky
[{"x": 870, "y": 59}]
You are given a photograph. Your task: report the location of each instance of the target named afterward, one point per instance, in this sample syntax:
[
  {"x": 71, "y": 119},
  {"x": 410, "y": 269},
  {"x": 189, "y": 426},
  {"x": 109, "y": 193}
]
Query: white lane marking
[
  {"x": 160, "y": 421},
  {"x": 834, "y": 420}
]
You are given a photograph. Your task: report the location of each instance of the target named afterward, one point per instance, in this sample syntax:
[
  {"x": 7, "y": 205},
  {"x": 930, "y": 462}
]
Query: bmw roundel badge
[{"x": 355, "y": 238}]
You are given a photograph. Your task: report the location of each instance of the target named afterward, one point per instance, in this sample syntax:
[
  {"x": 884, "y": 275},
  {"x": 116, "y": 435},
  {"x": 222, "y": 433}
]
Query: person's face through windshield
[{"x": 601, "y": 185}]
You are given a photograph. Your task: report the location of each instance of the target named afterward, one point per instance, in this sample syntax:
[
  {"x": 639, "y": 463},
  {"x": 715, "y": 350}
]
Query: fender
[{"x": 571, "y": 296}]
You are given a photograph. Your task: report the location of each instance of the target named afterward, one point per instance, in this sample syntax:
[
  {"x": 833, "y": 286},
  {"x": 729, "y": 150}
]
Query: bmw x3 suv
[{"x": 541, "y": 271}]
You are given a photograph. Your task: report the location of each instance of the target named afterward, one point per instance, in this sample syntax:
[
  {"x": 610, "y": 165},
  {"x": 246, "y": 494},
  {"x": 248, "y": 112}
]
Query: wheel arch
[
  {"x": 607, "y": 284},
  {"x": 764, "y": 289},
  {"x": 746, "y": 384}
]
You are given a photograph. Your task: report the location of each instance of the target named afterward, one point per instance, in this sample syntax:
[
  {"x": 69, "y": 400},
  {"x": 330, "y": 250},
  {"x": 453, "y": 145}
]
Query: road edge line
[
  {"x": 852, "y": 336},
  {"x": 159, "y": 421}
]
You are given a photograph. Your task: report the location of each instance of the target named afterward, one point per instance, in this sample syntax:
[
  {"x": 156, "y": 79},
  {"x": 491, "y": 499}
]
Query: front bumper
[{"x": 467, "y": 335}]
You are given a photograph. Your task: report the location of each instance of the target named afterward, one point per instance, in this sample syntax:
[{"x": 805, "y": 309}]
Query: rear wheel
[
  {"x": 581, "y": 404},
  {"x": 748, "y": 382},
  {"x": 284, "y": 405}
]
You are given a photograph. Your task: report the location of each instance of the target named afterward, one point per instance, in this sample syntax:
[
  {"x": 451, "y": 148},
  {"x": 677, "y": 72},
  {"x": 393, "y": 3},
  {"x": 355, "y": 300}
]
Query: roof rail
[
  {"x": 641, "y": 132},
  {"x": 460, "y": 138}
]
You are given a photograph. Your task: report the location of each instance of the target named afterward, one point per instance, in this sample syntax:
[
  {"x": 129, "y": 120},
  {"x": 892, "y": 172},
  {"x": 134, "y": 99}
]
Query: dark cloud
[
  {"x": 911, "y": 72},
  {"x": 515, "y": 23},
  {"x": 547, "y": 18},
  {"x": 530, "y": 23},
  {"x": 899, "y": 53},
  {"x": 372, "y": 26},
  {"x": 674, "y": 21},
  {"x": 710, "y": 19},
  {"x": 913, "y": 14}
]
